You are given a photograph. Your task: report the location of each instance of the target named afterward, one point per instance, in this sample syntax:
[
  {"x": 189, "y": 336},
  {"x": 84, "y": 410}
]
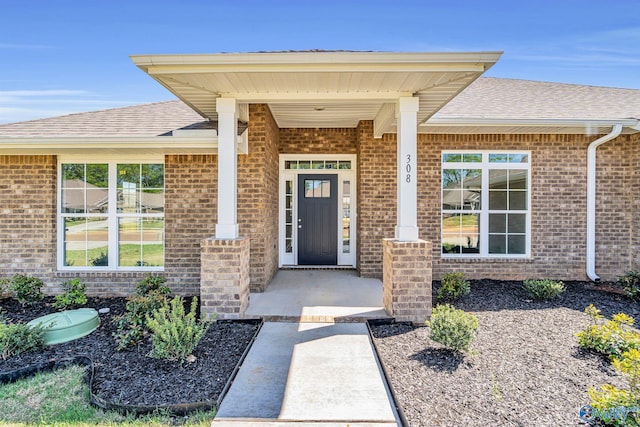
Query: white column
[
  {"x": 227, "y": 226},
  {"x": 407, "y": 117}
]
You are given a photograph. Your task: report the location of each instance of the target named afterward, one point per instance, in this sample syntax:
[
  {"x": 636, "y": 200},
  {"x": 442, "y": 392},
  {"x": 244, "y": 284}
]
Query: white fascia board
[
  {"x": 317, "y": 61},
  {"x": 308, "y": 97},
  {"x": 311, "y": 59},
  {"x": 64, "y": 144},
  {"x": 460, "y": 121}
]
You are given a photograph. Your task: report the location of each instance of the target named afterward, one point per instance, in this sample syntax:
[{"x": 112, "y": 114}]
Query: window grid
[
  {"x": 92, "y": 225},
  {"x": 492, "y": 219}
]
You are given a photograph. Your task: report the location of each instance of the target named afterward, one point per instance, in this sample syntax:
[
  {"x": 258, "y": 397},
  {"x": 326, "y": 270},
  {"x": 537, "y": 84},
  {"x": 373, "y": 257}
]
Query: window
[
  {"x": 485, "y": 204},
  {"x": 111, "y": 215}
]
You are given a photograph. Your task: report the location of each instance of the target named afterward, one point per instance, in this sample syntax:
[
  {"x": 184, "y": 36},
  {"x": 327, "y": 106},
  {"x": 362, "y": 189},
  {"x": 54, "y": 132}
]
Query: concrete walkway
[
  {"x": 318, "y": 296},
  {"x": 310, "y": 374}
]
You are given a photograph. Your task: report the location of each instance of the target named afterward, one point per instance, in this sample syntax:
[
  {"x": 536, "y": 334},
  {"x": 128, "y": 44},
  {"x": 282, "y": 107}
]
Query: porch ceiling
[{"x": 319, "y": 89}]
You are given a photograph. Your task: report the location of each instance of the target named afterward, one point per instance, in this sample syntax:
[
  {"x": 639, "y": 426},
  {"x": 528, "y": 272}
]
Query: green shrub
[
  {"x": 152, "y": 283},
  {"x": 452, "y": 328},
  {"x": 131, "y": 327},
  {"x": 27, "y": 290},
  {"x": 174, "y": 334},
  {"x": 453, "y": 287},
  {"x": 630, "y": 282},
  {"x": 611, "y": 338},
  {"x": 4, "y": 287},
  {"x": 543, "y": 289},
  {"x": 75, "y": 295},
  {"x": 618, "y": 407},
  {"x": 19, "y": 338},
  {"x": 101, "y": 260}
]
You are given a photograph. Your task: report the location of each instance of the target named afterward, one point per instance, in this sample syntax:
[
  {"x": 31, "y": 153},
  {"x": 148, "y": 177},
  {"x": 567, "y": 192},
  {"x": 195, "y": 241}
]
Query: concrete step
[{"x": 290, "y": 423}]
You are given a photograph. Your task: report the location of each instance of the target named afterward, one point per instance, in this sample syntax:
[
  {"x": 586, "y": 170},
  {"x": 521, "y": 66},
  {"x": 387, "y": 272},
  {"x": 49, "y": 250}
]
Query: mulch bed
[
  {"x": 525, "y": 368},
  {"x": 130, "y": 377}
]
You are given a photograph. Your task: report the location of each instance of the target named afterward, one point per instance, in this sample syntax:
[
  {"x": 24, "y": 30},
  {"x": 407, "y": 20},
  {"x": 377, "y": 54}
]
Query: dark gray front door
[{"x": 317, "y": 219}]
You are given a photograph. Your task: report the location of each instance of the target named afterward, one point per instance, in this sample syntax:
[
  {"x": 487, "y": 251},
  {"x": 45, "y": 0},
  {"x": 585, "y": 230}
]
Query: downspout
[{"x": 591, "y": 200}]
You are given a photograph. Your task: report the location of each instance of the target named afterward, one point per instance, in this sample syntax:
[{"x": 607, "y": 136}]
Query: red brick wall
[
  {"x": 258, "y": 195},
  {"x": 27, "y": 215},
  {"x": 191, "y": 202},
  {"x": 318, "y": 141},
  {"x": 376, "y": 197}
]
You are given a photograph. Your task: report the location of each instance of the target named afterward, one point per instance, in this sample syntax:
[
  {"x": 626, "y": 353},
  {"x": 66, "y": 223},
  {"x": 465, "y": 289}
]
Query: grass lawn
[{"x": 61, "y": 398}]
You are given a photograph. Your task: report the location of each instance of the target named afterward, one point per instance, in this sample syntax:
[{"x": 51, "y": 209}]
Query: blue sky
[{"x": 63, "y": 56}]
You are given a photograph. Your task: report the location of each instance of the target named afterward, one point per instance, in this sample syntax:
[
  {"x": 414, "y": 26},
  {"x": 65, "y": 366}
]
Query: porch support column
[
  {"x": 407, "y": 217},
  {"x": 227, "y": 226}
]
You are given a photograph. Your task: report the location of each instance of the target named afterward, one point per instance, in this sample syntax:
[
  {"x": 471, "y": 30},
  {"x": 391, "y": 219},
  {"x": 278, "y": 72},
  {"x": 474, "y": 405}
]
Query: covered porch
[{"x": 251, "y": 99}]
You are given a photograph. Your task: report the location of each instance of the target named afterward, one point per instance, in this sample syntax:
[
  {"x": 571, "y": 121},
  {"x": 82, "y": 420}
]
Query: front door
[{"x": 317, "y": 219}]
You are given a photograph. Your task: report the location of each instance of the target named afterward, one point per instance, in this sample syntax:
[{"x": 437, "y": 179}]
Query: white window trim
[
  {"x": 485, "y": 165},
  {"x": 112, "y": 216},
  {"x": 343, "y": 174}
]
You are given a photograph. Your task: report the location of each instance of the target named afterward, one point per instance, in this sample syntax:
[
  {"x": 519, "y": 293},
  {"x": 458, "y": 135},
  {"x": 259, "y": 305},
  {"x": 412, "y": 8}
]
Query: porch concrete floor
[{"x": 318, "y": 296}]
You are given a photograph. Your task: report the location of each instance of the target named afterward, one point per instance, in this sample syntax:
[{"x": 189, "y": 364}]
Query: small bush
[
  {"x": 131, "y": 327},
  {"x": 101, "y": 260},
  {"x": 452, "y": 328},
  {"x": 543, "y": 289},
  {"x": 4, "y": 287},
  {"x": 27, "y": 290},
  {"x": 612, "y": 338},
  {"x": 618, "y": 407},
  {"x": 174, "y": 334},
  {"x": 630, "y": 282},
  {"x": 19, "y": 338},
  {"x": 75, "y": 295},
  {"x": 152, "y": 283},
  {"x": 453, "y": 287}
]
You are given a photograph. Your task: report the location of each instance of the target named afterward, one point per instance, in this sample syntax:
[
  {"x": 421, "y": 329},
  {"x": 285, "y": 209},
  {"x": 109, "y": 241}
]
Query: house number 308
[{"x": 407, "y": 168}]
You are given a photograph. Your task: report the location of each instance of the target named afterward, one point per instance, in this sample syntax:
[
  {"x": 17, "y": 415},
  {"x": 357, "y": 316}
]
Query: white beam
[
  {"x": 227, "y": 226},
  {"x": 384, "y": 119},
  {"x": 407, "y": 217},
  {"x": 307, "y": 97}
]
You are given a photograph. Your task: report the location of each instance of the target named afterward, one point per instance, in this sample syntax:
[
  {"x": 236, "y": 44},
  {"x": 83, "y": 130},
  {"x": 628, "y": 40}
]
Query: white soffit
[{"x": 318, "y": 89}]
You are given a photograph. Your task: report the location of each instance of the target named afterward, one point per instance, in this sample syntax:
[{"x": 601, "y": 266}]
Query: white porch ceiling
[{"x": 318, "y": 89}]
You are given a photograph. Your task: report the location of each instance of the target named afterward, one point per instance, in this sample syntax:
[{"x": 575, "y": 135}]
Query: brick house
[{"x": 403, "y": 166}]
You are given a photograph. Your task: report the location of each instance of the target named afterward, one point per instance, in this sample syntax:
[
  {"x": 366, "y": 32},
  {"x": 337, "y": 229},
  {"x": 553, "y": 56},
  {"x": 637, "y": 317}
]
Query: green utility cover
[{"x": 67, "y": 325}]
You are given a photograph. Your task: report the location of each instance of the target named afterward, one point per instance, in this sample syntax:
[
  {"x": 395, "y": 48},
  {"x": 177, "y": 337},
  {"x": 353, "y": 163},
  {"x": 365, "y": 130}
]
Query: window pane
[
  {"x": 152, "y": 176},
  {"x": 517, "y": 223},
  {"x": 450, "y": 244},
  {"x": 304, "y": 165},
  {"x": 516, "y": 245},
  {"x": 452, "y": 178},
  {"x": 72, "y": 200},
  {"x": 317, "y": 164},
  {"x": 497, "y": 244},
  {"x": 97, "y": 175},
  {"x": 518, "y": 158},
  {"x": 317, "y": 188},
  {"x": 499, "y": 158},
  {"x": 289, "y": 246},
  {"x": 472, "y": 158},
  {"x": 72, "y": 172},
  {"x": 452, "y": 199},
  {"x": 97, "y": 200},
  {"x": 129, "y": 242},
  {"x": 498, "y": 200},
  {"x": 346, "y": 216},
  {"x": 332, "y": 164},
  {"x": 129, "y": 176},
  {"x": 151, "y": 201},
  {"x": 288, "y": 187},
  {"x": 85, "y": 242},
  {"x": 472, "y": 183},
  {"x": 517, "y": 200},
  {"x": 451, "y": 223},
  {"x": 517, "y": 179},
  {"x": 289, "y": 164},
  {"x": 497, "y": 223},
  {"x": 344, "y": 164},
  {"x": 288, "y": 216},
  {"x": 152, "y": 242},
  {"x": 497, "y": 179}
]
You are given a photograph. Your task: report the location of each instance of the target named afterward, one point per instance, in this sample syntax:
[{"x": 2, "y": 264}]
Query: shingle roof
[
  {"x": 138, "y": 120},
  {"x": 494, "y": 98},
  {"x": 499, "y": 98}
]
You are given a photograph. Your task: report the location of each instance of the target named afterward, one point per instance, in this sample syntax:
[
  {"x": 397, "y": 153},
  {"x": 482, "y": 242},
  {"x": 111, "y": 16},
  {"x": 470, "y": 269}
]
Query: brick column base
[
  {"x": 224, "y": 277},
  {"x": 407, "y": 280}
]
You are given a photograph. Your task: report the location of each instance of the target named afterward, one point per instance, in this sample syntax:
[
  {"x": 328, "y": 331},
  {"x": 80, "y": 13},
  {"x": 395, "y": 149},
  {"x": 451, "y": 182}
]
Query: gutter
[{"x": 591, "y": 200}]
